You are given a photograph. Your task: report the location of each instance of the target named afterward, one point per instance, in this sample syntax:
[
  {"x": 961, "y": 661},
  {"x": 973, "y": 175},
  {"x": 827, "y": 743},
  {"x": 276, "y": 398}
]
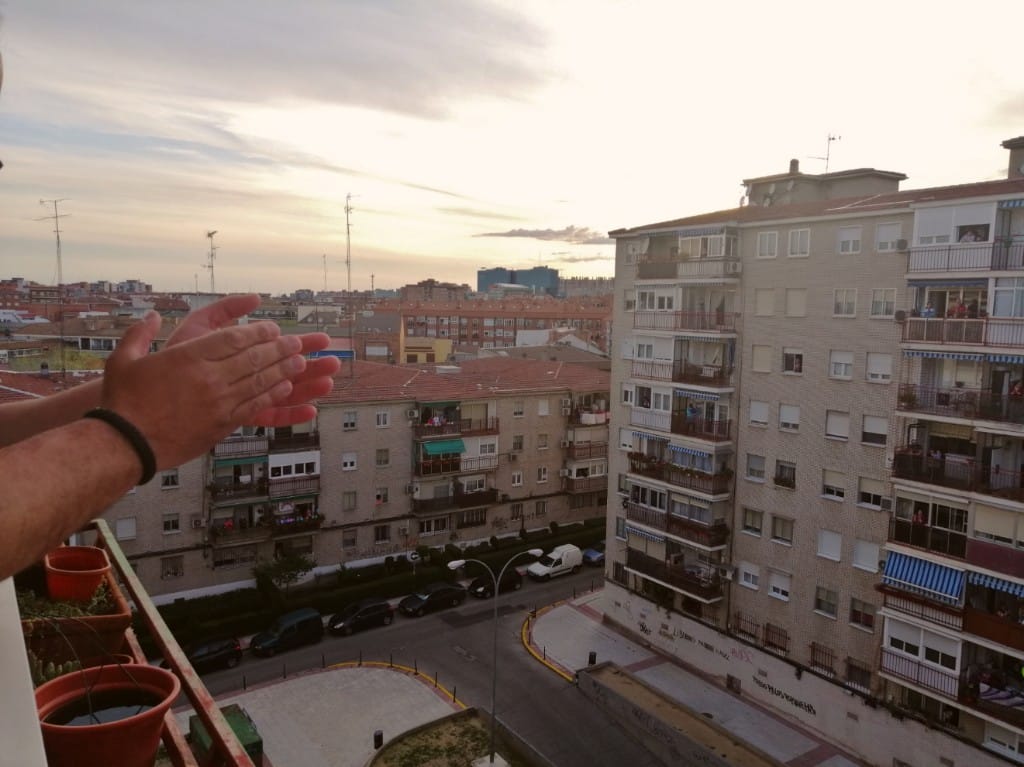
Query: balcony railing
[
  {"x": 712, "y": 429},
  {"x": 998, "y": 557},
  {"x": 586, "y": 484},
  {"x": 459, "y": 500},
  {"x": 711, "y": 536},
  {"x": 1004, "y": 631},
  {"x": 695, "y": 580},
  {"x": 467, "y": 426},
  {"x": 286, "y": 525},
  {"x": 680, "y": 476},
  {"x": 434, "y": 466},
  {"x": 922, "y": 536},
  {"x": 959, "y": 257},
  {"x": 241, "y": 447},
  {"x": 959, "y": 402},
  {"x": 589, "y": 417},
  {"x": 296, "y": 441},
  {"x": 983, "y": 331},
  {"x": 281, "y": 488},
  {"x": 912, "y": 670},
  {"x": 702, "y": 267},
  {"x": 682, "y": 372},
  {"x": 720, "y": 322},
  {"x": 582, "y": 450},
  {"x": 962, "y": 474},
  {"x": 227, "y": 490},
  {"x": 921, "y": 607}
]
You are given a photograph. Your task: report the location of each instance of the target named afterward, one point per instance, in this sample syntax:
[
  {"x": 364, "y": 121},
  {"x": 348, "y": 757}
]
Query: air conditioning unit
[
  {"x": 726, "y": 572},
  {"x": 403, "y": 530},
  {"x": 198, "y": 524},
  {"x": 676, "y": 559},
  {"x": 412, "y": 414},
  {"x": 901, "y": 244},
  {"x": 566, "y": 411},
  {"x": 885, "y": 504},
  {"x": 563, "y": 472},
  {"x": 565, "y": 443}
]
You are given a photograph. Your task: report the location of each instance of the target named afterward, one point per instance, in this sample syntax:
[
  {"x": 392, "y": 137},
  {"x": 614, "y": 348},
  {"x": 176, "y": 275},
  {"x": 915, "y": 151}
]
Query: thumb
[{"x": 136, "y": 342}]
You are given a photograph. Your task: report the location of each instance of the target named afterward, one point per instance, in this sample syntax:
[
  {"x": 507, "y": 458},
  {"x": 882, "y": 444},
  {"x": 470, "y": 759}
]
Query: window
[
  {"x": 517, "y": 479},
  {"x": 542, "y": 441},
  {"x": 517, "y": 409},
  {"x": 883, "y": 302},
  {"x": 542, "y": 474},
  {"x": 348, "y": 539},
  {"x": 826, "y": 601},
  {"x": 849, "y": 239},
  {"x": 540, "y": 508},
  {"x": 778, "y": 585},
  {"x": 348, "y": 500},
  {"x": 169, "y": 479},
  {"x": 887, "y": 237},
  {"x": 383, "y": 419},
  {"x": 755, "y": 466},
  {"x": 823, "y": 658},
  {"x": 234, "y": 556},
  {"x": 762, "y": 358},
  {"x": 870, "y": 492},
  {"x": 782, "y": 529},
  {"x": 764, "y": 302},
  {"x": 488, "y": 448},
  {"x": 620, "y": 528},
  {"x": 833, "y": 484},
  {"x": 515, "y": 511},
  {"x": 840, "y": 365},
  {"x": 172, "y": 567},
  {"x": 785, "y": 474},
  {"x": 879, "y": 367},
  {"x": 348, "y": 461},
  {"x": 796, "y": 302},
  {"x": 767, "y": 244},
  {"x": 750, "y": 575},
  {"x": 517, "y": 441},
  {"x": 543, "y": 406},
  {"x": 628, "y": 394},
  {"x": 758, "y": 413},
  {"x": 858, "y": 675},
  {"x": 382, "y": 533},
  {"x": 830, "y": 545},
  {"x": 865, "y": 555},
  {"x": 644, "y": 351},
  {"x": 799, "y": 243},
  {"x": 124, "y": 529},
  {"x": 862, "y": 614},
  {"x": 876, "y": 430},
  {"x": 837, "y": 424},
  {"x": 629, "y": 299},
  {"x": 381, "y": 496},
  {"x": 472, "y": 518},
  {"x": 433, "y": 526},
  {"x": 172, "y": 522},
  {"x": 348, "y": 420},
  {"x": 792, "y": 360},
  {"x": 752, "y": 521},
  {"x": 844, "y": 302},
  {"x": 382, "y": 457},
  {"x": 789, "y": 417}
]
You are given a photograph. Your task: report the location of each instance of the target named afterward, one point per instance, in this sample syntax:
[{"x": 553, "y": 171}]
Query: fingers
[
  {"x": 214, "y": 316},
  {"x": 247, "y": 410},
  {"x": 231, "y": 341},
  {"x": 314, "y": 342},
  {"x": 285, "y": 416}
]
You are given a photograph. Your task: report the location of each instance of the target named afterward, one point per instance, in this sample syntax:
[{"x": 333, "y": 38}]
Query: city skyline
[{"x": 470, "y": 135}]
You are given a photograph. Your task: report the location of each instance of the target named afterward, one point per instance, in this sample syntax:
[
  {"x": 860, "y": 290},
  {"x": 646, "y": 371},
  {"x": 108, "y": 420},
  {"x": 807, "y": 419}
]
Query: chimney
[
  {"x": 1016, "y": 165},
  {"x": 794, "y": 166}
]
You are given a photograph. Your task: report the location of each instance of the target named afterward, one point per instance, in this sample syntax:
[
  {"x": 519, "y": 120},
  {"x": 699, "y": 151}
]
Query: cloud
[
  {"x": 584, "y": 259},
  {"x": 575, "y": 235},
  {"x": 477, "y": 213}
]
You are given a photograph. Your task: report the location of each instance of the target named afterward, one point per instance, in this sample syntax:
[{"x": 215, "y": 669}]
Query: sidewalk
[{"x": 564, "y": 635}]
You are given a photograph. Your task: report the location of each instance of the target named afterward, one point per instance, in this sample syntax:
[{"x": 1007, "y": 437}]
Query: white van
[{"x": 562, "y": 559}]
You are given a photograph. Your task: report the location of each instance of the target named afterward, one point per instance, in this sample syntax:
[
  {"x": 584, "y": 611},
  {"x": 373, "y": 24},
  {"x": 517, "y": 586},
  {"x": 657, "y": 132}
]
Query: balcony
[
  {"x": 586, "y": 484},
  {"x": 998, "y": 557},
  {"x": 937, "y": 680},
  {"x": 983, "y": 331},
  {"x": 304, "y": 485},
  {"x": 967, "y": 257},
  {"x": 680, "y": 476},
  {"x": 716, "y": 322},
  {"x": 959, "y": 473},
  {"x": 701, "y": 268},
  {"x": 958, "y": 402},
  {"x": 286, "y": 525},
  {"x": 693, "y": 580},
  {"x": 1004, "y": 631},
  {"x": 922, "y": 536},
  {"x": 698, "y": 427},
  {"x": 295, "y": 441},
  {"x": 460, "y": 500},
  {"x": 463, "y": 426},
  {"x": 921, "y": 607},
  {"x": 712, "y": 536},
  {"x": 578, "y": 451},
  {"x": 230, "y": 490},
  {"x": 241, "y": 447},
  {"x": 432, "y": 467},
  {"x": 682, "y": 372},
  {"x": 228, "y": 531},
  {"x": 589, "y": 417}
]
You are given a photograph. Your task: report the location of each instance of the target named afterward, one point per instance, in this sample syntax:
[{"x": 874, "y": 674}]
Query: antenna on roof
[
  {"x": 56, "y": 217},
  {"x": 212, "y": 256},
  {"x": 828, "y": 150}
]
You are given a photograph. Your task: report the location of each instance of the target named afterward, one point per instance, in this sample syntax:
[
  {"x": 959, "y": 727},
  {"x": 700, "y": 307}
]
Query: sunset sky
[{"x": 469, "y": 134}]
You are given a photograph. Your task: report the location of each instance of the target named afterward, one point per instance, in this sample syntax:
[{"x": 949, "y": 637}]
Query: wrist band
[{"x": 128, "y": 430}]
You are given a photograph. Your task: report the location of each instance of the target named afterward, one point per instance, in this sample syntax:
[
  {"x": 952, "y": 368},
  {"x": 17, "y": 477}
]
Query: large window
[
  {"x": 779, "y": 585},
  {"x": 833, "y": 484},
  {"x": 849, "y": 239},
  {"x": 887, "y": 237},
  {"x": 758, "y": 413},
  {"x": 348, "y": 461},
  {"x": 840, "y": 365},
  {"x": 755, "y": 466},
  {"x": 883, "y": 302},
  {"x": 879, "y": 368},
  {"x": 753, "y": 521},
  {"x": 871, "y": 492},
  {"x": 837, "y": 424},
  {"x": 799, "y": 243},
  {"x": 782, "y": 529},
  {"x": 789, "y": 417},
  {"x": 383, "y": 419},
  {"x": 750, "y": 575},
  {"x": 348, "y": 420},
  {"x": 767, "y": 244},
  {"x": 785, "y": 474},
  {"x": 792, "y": 360},
  {"x": 876, "y": 430},
  {"x": 1008, "y": 298},
  {"x": 830, "y": 545},
  {"x": 826, "y": 601},
  {"x": 865, "y": 555},
  {"x": 844, "y": 302}
]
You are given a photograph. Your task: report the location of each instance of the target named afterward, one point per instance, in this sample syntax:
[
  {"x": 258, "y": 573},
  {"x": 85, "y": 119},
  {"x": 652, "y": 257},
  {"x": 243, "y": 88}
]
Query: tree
[{"x": 284, "y": 570}]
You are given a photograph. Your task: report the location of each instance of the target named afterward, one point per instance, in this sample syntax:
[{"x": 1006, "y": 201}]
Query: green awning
[{"x": 444, "y": 447}]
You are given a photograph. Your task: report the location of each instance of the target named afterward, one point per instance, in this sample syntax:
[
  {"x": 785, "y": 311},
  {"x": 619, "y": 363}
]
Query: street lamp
[{"x": 455, "y": 564}]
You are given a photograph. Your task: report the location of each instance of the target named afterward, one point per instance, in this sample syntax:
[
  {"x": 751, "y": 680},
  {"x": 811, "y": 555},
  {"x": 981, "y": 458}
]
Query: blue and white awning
[
  {"x": 688, "y": 451},
  {"x": 1011, "y": 204},
  {"x": 694, "y": 394},
  {"x": 928, "y": 579},
  {"x": 991, "y": 582},
  {"x": 943, "y": 355},
  {"x": 645, "y": 435},
  {"x": 653, "y": 537},
  {"x": 1012, "y": 359}
]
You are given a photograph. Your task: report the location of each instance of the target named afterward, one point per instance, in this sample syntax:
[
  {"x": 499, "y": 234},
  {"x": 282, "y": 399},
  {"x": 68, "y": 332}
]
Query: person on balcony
[{"x": 928, "y": 311}]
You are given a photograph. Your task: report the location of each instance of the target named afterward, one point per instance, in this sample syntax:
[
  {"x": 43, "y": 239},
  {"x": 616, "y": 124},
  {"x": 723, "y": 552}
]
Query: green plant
[{"x": 284, "y": 571}]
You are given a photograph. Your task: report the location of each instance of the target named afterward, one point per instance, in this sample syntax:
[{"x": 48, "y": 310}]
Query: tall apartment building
[
  {"x": 398, "y": 457},
  {"x": 541, "y": 279},
  {"x": 820, "y": 457}
]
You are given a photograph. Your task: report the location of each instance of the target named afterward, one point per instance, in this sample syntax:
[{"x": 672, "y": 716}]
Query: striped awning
[
  {"x": 693, "y": 394},
  {"x": 645, "y": 435},
  {"x": 699, "y": 335},
  {"x": 688, "y": 451},
  {"x": 1013, "y": 359},
  {"x": 653, "y": 537},
  {"x": 1011, "y": 204},
  {"x": 991, "y": 582},
  {"x": 444, "y": 447},
  {"x": 943, "y": 355},
  {"x": 928, "y": 579}
]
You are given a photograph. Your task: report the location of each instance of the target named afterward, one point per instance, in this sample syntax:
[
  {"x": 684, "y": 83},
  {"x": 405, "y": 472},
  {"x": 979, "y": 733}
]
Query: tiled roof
[
  {"x": 18, "y": 386},
  {"x": 476, "y": 379}
]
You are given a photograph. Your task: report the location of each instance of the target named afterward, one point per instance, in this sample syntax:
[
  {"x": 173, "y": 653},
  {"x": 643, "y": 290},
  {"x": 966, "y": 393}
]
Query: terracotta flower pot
[
  {"x": 130, "y": 702},
  {"x": 73, "y": 573}
]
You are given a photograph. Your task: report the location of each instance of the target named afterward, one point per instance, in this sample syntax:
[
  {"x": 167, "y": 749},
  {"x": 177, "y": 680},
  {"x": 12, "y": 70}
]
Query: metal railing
[
  {"x": 960, "y": 402},
  {"x": 981, "y": 331},
  {"x": 280, "y": 488},
  {"x": 429, "y": 467},
  {"x": 910, "y": 462},
  {"x": 679, "y": 269},
  {"x": 695, "y": 580},
  {"x": 931, "y": 678},
  {"x": 921, "y": 536},
  {"x": 240, "y": 447},
  {"x": 296, "y": 441},
  {"x": 227, "y": 490},
  {"x": 680, "y": 476},
  {"x": 958, "y": 257},
  {"x": 712, "y": 429},
  {"x": 719, "y": 322},
  {"x": 715, "y": 535},
  {"x": 920, "y": 607},
  {"x": 586, "y": 484},
  {"x": 466, "y": 426},
  {"x": 682, "y": 372},
  {"x": 581, "y": 450}
]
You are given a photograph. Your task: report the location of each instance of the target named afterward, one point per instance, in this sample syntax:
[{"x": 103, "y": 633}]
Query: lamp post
[{"x": 455, "y": 564}]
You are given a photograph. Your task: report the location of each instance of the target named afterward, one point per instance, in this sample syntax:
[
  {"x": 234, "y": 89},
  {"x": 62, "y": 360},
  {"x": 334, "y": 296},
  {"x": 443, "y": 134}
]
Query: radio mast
[
  {"x": 348, "y": 239},
  {"x": 212, "y": 257},
  {"x": 56, "y": 217}
]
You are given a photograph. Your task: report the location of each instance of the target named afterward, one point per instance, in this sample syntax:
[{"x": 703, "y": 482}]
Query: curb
[
  {"x": 448, "y": 695},
  {"x": 526, "y": 636}
]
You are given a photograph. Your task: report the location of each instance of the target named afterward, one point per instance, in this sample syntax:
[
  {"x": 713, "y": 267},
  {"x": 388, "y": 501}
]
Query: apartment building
[
  {"x": 820, "y": 457},
  {"x": 398, "y": 457}
]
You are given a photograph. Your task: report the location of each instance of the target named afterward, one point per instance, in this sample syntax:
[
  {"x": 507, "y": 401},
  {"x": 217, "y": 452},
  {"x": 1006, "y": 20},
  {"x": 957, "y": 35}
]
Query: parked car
[
  {"x": 594, "y": 555},
  {"x": 434, "y": 596},
  {"x": 212, "y": 654},
  {"x": 291, "y": 630},
  {"x": 483, "y": 585},
  {"x": 360, "y": 615},
  {"x": 566, "y": 558}
]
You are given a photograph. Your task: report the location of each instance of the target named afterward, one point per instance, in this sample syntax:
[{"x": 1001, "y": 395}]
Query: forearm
[
  {"x": 59, "y": 481},
  {"x": 23, "y": 419}
]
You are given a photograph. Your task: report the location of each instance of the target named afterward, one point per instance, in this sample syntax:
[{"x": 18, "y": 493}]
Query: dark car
[
  {"x": 362, "y": 615},
  {"x": 594, "y": 555},
  {"x": 483, "y": 585},
  {"x": 292, "y": 629},
  {"x": 213, "y": 654},
  {"x": 434, "y": 596}
]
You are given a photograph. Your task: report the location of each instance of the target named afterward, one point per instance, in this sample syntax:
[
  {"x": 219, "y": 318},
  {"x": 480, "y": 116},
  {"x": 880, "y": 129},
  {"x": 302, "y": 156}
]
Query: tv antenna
[
  {"x": 56, "y": 217},
  {"x": 212, "y": 257},
  {"x": 325, "y": 272},
  {"x": 828, "y": 150},
  {"x": 348, "y": 239}
]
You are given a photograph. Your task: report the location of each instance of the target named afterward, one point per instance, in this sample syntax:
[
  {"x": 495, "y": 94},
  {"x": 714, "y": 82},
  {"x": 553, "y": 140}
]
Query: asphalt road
[{"x": 456, "y": 645}]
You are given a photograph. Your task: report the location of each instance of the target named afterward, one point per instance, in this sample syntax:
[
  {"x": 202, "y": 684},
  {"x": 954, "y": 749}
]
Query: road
[{"x": 456, "y": 645}]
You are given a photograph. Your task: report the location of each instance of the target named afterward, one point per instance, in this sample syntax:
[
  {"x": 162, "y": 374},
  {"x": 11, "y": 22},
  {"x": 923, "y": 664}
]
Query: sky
[{"x": 469, "y": 134}]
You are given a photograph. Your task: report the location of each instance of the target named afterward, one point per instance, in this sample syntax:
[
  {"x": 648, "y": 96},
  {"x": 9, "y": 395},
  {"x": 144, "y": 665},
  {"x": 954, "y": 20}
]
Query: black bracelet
[{"x": 128, "y": 430}]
